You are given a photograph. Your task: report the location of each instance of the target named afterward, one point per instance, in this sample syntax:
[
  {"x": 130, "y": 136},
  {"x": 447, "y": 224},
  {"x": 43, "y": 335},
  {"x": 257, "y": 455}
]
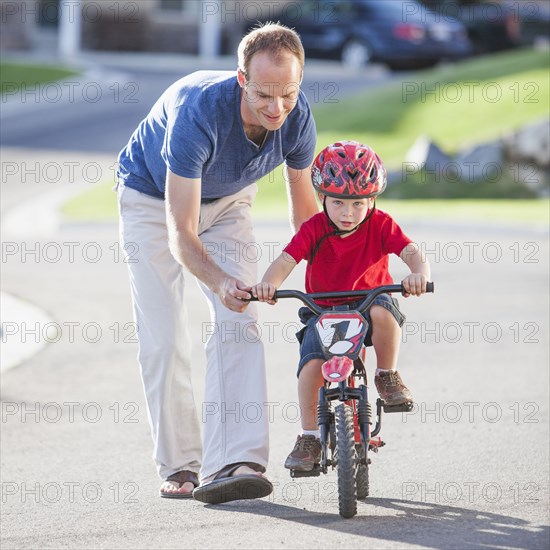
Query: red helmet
[{"x": 349, "y": 170}]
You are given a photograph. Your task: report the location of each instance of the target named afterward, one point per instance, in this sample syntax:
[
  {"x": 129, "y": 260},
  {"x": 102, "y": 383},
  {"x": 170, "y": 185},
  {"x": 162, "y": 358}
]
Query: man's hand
[
  {"x": 264, "y": 292},
  {"x": 234, "y": 294},
  {"x": 414, "y": 284}
]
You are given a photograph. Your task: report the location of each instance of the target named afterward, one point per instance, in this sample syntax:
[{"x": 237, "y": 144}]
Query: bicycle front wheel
[
  {"x": 345, "y": 446},
  {"x": 361, "y": 474}
]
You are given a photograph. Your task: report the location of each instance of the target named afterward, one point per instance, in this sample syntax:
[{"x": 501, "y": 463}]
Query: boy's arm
[
  {"x": 416, "y": 260},
  {"x": 274, "y": 277}
]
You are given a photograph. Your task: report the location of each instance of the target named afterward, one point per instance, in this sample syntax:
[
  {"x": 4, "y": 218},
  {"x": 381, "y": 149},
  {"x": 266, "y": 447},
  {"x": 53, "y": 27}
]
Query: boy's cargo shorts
[{"x": 310, "y": 347}]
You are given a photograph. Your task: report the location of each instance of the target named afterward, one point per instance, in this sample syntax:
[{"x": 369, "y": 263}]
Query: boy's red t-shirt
[{"x": 356, "y": 262}]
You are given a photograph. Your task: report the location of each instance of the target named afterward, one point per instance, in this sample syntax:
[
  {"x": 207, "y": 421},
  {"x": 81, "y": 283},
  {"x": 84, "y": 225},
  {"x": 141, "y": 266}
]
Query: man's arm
[
  {"x": 301, "y": 196},
  {"x": 183, "y": 202}
]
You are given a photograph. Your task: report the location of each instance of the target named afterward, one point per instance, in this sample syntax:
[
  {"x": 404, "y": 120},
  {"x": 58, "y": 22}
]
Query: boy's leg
[
  {"x": 307, "y": 449},
  {"x": 309, "y": 382},
  {"x": 386, "y": 340},
  {"x": 386, "y": 337}
]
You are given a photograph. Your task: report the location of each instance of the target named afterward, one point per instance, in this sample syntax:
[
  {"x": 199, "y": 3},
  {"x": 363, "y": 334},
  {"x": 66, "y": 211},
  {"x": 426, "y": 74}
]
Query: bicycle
[{"x": 346, "y": 431}]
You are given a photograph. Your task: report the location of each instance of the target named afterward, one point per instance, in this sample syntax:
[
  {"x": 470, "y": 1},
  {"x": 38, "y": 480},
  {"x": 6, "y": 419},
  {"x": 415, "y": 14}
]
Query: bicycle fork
[{"x": 362, "y": 419}]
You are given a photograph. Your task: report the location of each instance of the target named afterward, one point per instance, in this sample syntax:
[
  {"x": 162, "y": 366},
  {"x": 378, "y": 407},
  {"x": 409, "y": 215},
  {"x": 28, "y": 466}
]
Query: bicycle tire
[
  {"x": 347, "y": 489},
  {"x": 361, "y": 475}
]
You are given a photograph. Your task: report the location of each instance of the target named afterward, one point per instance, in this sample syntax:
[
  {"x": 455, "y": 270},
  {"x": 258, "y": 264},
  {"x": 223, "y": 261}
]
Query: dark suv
[
  {"x": 404, "y": 34},
  {"x": 491, "y": 26}
]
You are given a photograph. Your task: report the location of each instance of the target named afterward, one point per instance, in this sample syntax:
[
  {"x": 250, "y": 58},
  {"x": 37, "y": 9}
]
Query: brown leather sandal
[
  {"x": 224, "y": 488},
  {"x": 181, "y": 477}
]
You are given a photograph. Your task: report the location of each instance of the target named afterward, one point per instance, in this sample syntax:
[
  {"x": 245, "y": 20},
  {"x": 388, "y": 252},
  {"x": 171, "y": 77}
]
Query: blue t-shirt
[{"x": 195, "y": 129}]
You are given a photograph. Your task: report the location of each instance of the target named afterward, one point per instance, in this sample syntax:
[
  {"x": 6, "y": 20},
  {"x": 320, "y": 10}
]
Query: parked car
[
  {"x": 403, "y": 34},
  {"x": 492, "y": 26},
  {"x": 534, "y": 21}
]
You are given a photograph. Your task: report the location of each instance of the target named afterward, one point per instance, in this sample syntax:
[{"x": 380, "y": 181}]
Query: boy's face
[{"x": 347, "y": 213}]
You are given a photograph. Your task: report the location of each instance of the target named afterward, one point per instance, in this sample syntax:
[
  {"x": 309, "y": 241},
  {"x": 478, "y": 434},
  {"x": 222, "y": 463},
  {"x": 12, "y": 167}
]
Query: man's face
[{"x": 270, "y": 91}]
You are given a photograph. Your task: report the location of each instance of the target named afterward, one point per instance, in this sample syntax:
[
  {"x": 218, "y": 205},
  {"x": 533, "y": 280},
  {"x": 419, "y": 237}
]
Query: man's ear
[{"x": 241, "y": 78}]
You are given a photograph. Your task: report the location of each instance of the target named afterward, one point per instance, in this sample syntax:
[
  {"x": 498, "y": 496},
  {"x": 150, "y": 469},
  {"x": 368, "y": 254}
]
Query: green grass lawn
[
  {"x": 456, "y": 105},
  {"x": 522, "y": 212},
  {"x": 99, "y": 204},
  {"x": 14, "y": 76},
  {"x": 392, "y": 117}
]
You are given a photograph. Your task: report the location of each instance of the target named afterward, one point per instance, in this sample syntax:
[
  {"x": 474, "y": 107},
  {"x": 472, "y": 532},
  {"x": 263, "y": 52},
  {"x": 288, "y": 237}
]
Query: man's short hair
[{"x": 274, "y": 38}]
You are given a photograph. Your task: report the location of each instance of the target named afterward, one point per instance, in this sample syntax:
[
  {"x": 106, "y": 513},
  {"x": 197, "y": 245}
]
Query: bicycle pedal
[
  {"x": 316, "y": 472},
  {"x": 374, "y": 444},
  {"x": 403, "y": 407}
]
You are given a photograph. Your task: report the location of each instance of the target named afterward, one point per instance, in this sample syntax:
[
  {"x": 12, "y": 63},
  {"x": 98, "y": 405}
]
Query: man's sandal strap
[{"x": 184, "y": 476}]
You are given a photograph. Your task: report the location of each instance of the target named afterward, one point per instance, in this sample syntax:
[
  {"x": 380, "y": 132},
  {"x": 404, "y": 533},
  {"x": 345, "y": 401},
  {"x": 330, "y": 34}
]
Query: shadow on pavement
[{"x": 417, "y": 523}]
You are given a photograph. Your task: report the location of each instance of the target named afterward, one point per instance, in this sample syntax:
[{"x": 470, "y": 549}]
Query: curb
[
  {"x": 18, "y": 329},
  {"x": 40, "y": 216},
  {"x": 90, "y": 86}
]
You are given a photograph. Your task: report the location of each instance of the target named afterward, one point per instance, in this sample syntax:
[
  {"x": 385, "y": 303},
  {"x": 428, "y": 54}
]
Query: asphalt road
[
  {"x": 467, "y": 469},
  {"x": 99, "y": 112}
]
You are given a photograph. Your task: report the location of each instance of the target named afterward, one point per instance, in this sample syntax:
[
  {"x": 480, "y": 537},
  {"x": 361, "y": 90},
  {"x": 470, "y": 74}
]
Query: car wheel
[{"x": 356, "y": 54}]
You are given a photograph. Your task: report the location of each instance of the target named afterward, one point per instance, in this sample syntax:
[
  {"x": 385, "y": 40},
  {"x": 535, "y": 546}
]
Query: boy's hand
[
  {"x": 264, "y": 292},
  {"x": 414, "y": 284}
]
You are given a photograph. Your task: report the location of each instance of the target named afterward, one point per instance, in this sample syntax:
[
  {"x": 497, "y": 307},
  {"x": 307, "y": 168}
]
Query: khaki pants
[{"x": 235, "y": 370}]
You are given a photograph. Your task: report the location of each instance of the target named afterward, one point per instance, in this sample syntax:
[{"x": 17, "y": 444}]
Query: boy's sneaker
[
  {"x": 306, "y": 453},
  {"x": 391, "y": 388}
]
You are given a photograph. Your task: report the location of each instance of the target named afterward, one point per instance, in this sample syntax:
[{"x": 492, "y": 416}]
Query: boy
[{"x": 347, "y": 247}]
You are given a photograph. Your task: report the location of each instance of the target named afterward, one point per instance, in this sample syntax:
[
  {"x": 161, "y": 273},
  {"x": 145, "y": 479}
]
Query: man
[{"x": 186, "y": 183}]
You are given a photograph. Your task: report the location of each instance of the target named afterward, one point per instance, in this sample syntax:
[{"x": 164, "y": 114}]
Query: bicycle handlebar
[{"x": 370, "y": 296}]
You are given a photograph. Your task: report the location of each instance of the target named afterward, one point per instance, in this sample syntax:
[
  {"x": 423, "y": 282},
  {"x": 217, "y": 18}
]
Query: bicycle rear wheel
[
  {"x": 361, "y": 474},
  {"x": 346, "y": 468}
]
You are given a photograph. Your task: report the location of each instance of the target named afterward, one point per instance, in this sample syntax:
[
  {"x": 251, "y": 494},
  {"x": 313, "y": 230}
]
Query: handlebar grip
[{"x": 430, "y": 287}]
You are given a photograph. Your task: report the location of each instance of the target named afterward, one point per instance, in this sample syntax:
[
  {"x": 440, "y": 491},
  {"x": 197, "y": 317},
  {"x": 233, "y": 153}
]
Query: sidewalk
[{"x": 33, "y": 237}]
